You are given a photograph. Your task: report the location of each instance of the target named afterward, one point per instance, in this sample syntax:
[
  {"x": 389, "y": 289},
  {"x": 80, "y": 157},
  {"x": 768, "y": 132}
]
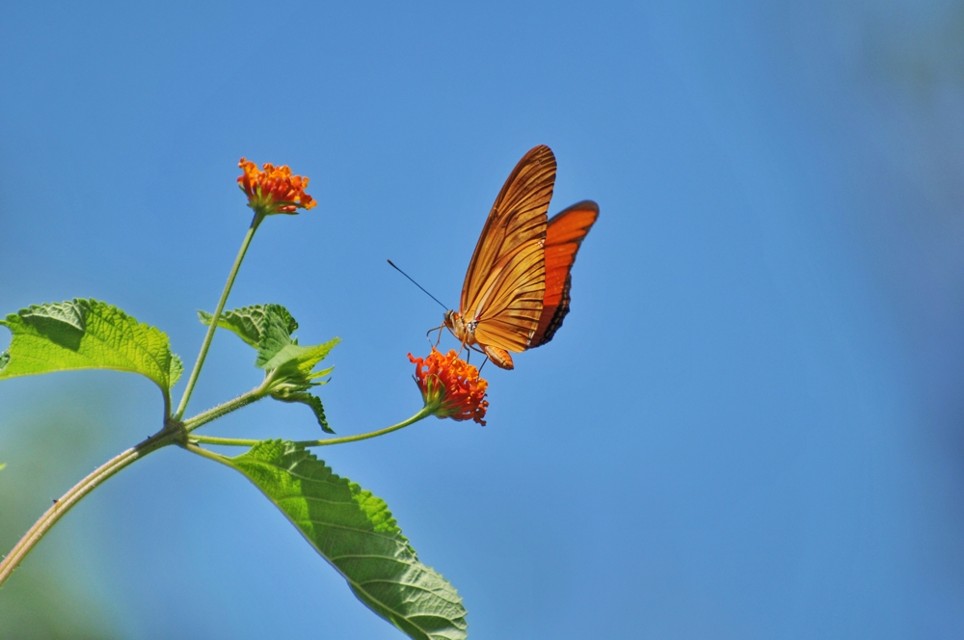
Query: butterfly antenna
[{"x": 425, "y": 291}]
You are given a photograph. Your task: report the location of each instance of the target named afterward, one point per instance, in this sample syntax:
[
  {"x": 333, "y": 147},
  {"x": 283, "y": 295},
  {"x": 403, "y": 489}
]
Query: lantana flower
[
  {"x": 450, "y": 386},
  {"x": 273, "y": 189}
]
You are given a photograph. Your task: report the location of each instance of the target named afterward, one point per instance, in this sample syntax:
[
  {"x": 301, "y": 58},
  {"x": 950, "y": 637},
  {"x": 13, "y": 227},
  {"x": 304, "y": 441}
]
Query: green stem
[
  {"x": 227, "y": 407},
  {"x": 171, "y": 434},
  {"x": 204, "y": 453},
  {"x": 244, "y": 442},
  {"x": 206, "y": 344}
]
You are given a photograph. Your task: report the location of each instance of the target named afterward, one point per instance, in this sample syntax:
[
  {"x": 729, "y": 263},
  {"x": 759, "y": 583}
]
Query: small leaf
[
  {"x": 300, "y": 360},
  {"x": 354, "y": 531},
  {"x": 266, "y": 327},
  {"x": 269, "y": 328},
  {"x": 295, "y": 377},
  {"x": 86, "y": 334},
  {"x": 313, "y": 403}
]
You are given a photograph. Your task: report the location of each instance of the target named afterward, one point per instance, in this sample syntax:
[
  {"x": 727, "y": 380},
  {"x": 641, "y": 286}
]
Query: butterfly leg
[{"x": 438, "y": 338}]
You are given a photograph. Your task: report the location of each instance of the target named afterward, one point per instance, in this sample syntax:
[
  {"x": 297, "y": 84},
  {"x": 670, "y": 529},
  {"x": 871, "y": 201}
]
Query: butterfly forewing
[
  {"x": 506, "y": 253},
  {"x": 511, "y": 305}
]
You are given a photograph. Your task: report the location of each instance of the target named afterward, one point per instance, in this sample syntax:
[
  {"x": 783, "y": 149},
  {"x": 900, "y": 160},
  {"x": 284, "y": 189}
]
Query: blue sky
[{"x": 749, "y": 426}]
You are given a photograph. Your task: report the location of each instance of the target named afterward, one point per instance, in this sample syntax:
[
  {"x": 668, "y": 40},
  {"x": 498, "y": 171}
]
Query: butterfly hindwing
[{"x": 564, "y": 235}]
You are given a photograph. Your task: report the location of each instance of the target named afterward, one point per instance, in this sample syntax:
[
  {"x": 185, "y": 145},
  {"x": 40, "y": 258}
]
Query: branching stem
[{"x": 212, "y": 327}]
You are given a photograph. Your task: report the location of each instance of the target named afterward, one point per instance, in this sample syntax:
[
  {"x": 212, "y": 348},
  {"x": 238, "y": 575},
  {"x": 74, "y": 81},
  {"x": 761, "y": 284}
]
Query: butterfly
[{"x": 516, "y": 289}]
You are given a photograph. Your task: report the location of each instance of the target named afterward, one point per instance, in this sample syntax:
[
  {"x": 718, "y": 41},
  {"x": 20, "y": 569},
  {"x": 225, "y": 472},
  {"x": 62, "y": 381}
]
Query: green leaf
[
  {"x": 312, "y": 402},
  {"x": 86, "y": 334},
  {"x": 295, "y": 376},
  {"x": 269, "y": 328},
  {"x": 300, "y": 361},
  {"x": 354, "y": 531},
  {"x": 266, "y": 327}
]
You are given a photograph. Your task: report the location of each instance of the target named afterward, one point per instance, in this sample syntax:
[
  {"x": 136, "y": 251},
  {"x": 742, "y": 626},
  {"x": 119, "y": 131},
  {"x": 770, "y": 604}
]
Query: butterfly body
[
  {"x": 516, "y": 289},
  {"x": 464, "y": 332}
]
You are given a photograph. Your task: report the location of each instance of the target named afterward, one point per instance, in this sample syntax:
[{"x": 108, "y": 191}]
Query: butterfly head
[{"x": 457, "y": 325}]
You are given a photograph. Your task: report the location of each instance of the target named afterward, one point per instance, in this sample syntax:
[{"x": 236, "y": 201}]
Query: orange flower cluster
[
  {"x": 450, "y": 386},
  {"x": 274, "y": 189}
]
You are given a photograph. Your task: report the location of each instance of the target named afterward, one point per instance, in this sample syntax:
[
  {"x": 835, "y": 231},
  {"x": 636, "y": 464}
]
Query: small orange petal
[
  {"x": 273, "y": 189},
  {"x": 451, "y": 386}
]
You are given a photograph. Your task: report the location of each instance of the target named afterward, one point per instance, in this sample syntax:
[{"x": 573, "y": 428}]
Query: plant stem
[
  {"x": 204, "y": 453},
  {"x": 171, "y": 434},
  {"x": 226, "y": 407},
  {"x": 244, "y": 442},
  {"x": 212, "y": 327}
]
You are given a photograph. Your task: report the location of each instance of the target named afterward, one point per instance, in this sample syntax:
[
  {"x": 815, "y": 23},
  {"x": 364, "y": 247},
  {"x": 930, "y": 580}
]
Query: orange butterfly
[{"x": 516, "y": 290}]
